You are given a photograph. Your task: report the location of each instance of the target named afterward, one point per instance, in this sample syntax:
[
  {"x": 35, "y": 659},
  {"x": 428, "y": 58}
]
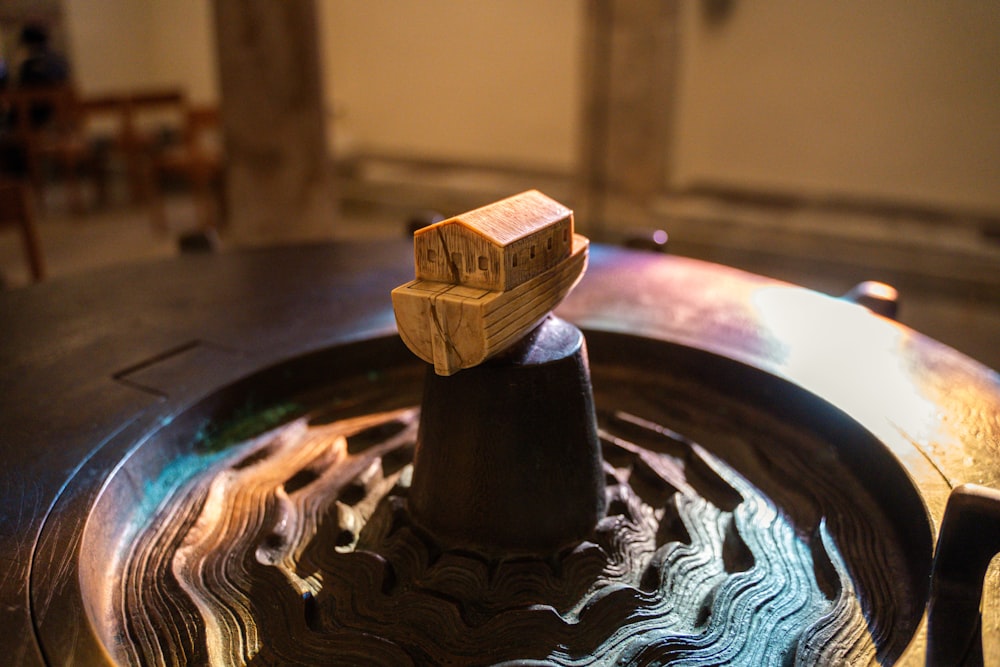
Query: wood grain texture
[
  {"x": 498, "y": 246},
  {"x": 486, "y": 278}
]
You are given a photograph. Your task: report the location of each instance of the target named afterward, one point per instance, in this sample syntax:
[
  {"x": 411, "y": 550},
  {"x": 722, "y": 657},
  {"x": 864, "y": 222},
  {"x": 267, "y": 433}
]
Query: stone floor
[
  {"x": 122, "y": 233},
  {"x": 964, "y": 315}
]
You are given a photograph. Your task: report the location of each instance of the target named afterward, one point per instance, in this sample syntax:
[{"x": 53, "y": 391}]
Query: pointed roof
[{"x": 510, "y": 219}]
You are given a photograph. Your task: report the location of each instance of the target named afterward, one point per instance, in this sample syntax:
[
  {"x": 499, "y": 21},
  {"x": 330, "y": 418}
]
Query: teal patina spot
[
  {"x": 246, "y": 423},
  {"x": 210, "y": 445}
]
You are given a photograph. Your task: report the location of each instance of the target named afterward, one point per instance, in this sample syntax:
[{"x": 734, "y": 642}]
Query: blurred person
[{"x": 42, "y": 66}]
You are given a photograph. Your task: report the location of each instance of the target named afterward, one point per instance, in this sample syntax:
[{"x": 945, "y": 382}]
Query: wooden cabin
[{"x": 496, "y": 247}]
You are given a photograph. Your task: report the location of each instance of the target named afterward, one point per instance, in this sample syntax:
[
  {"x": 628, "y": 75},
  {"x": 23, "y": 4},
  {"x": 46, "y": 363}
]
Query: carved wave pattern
[{"x": 297, "y": 548}]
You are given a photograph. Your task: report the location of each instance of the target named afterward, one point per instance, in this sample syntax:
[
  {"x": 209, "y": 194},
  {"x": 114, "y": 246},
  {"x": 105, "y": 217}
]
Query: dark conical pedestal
[{"x": 508, "y": 458}]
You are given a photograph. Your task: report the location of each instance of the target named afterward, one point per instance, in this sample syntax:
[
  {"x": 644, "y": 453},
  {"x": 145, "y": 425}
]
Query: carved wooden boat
[{"x": 457, "y": 326}]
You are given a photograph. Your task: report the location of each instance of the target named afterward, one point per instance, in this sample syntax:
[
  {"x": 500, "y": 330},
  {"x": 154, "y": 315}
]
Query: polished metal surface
[{"x": 108, "y": 378}]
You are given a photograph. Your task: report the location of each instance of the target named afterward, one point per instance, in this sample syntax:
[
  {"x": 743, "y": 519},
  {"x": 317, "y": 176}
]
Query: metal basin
[{"x": 809, "y": 432}]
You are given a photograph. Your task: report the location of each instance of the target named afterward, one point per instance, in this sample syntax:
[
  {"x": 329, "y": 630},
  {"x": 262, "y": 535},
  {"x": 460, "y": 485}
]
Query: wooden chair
[
  {"x": 151, "y": 116},
  {"x": 43, "y": 127},
  {"x": 127, "y": 125},
  {"x": 102, "y": 121},
  {"x": 17, "y": 210},
  {"x": 198, "y": 161}
]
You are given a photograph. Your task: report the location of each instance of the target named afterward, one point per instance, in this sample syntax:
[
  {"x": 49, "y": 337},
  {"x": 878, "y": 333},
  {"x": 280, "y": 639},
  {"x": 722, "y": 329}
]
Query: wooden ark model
[{"x": 487, "y": 277}]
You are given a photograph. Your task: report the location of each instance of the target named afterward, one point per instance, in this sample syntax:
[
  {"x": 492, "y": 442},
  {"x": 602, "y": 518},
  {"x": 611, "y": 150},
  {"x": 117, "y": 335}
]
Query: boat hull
[{"x": 455, "y": 327}]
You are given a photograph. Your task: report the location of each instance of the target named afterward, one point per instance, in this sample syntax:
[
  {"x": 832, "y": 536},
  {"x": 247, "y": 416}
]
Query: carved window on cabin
[
  {"x": 432, "y": 255},
  {"x": 565, "y": 235},
  {"x": 548, "y": 244},
  {"x": 483, "y": 263},
  {"x": 456, "y": 260},
  {"x": 513, "y": 259},
  {"x": 531, "y": 255}
]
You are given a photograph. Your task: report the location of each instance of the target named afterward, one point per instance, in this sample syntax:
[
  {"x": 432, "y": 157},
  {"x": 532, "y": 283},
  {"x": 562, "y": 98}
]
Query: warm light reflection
[
  {"x": 848, "y": 356},
  {"x": 879, "y": 290}
]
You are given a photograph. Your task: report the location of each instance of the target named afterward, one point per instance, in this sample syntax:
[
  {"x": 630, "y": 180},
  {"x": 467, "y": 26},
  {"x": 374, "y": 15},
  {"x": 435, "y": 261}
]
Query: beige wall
[
  {"x": 183, "y": 39},
  {"x": 118, "y": 45},
  {"x": 494, "y": 81},
  {"x": 893, "y": 100},
  {"x": 108, "y": 44}
]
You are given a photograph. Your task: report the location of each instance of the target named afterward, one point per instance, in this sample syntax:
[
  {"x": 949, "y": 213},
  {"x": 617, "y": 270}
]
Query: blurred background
[{"x": 820, "y": 143}]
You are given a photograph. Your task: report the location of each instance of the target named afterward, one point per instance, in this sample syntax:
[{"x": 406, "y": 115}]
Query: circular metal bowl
[{"x": 110, "y": 377}]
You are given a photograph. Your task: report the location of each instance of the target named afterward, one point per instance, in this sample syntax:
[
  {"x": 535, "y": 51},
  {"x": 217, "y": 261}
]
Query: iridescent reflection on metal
[{"x": 296, "y": 546}]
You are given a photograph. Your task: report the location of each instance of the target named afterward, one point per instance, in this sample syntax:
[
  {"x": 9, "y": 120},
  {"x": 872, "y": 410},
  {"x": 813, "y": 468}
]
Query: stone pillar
[
  {"x": 278, "y": 181},
  {"x": 631, "y": 51}
]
